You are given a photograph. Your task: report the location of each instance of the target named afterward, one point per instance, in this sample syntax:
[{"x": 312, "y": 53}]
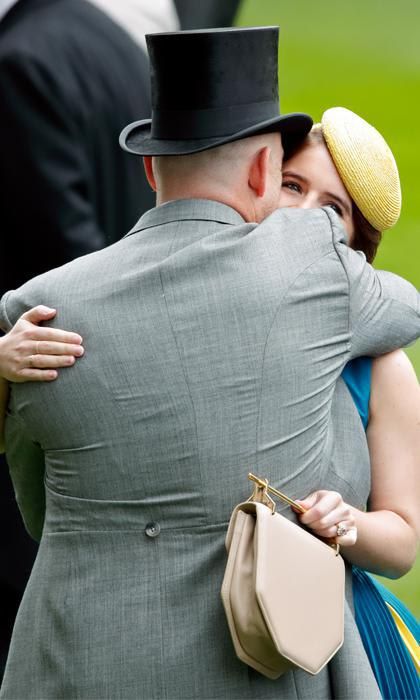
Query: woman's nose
[{"x": 309, "y": 202}]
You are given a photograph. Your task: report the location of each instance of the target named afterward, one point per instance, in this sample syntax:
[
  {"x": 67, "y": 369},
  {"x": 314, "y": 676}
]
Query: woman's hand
[
  {"x": 325, "y": 512},
  {"x": 30, "y": 352}
]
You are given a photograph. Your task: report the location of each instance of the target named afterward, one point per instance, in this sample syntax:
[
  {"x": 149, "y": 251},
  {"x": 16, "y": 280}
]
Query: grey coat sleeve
[
  {"x": 15, "y": 302},
  {"x": 24, "y": 455},
  {"x": 5, "y": 322},
  {"x": 27, "y": 469},
  {"x": 384, "y": 309}
]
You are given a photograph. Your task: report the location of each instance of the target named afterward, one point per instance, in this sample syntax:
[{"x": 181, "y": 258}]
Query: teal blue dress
[{"x": 391, "y": 662}]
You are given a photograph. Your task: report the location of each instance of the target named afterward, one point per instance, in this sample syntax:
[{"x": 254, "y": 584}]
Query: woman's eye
[
  {"x": 292, "y": 186},
  {"x": 335, "y": 208}
]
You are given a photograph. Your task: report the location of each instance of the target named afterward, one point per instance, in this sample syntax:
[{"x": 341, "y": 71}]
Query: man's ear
[
  {"x": 148, "y": 169},
  {"x": 258, "y": 171}
]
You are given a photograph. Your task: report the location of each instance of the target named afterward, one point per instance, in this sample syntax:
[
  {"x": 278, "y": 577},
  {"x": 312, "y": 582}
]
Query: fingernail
[
  {"x": 79, "y": 352},
  {"x": 47, "y": 310}
]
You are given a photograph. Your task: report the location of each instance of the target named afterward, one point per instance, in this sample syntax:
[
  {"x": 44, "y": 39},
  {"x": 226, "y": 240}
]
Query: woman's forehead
[{"x": 314, "y": 163}]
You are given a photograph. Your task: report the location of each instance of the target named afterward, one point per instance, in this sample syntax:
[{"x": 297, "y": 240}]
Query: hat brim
[
  {"x": 365, "y": 164},
  {"x": 136, "y": 137}
]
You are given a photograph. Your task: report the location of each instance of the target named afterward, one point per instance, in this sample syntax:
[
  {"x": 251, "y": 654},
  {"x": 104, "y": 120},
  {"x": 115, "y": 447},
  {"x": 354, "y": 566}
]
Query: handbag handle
[
  {"x": 260, "y": 494},
  {"x": 264, "y": 485}
]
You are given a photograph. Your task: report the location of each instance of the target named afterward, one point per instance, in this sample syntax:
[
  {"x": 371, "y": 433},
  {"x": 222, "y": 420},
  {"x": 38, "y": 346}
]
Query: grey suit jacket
[{"x": 213, "y": 347}]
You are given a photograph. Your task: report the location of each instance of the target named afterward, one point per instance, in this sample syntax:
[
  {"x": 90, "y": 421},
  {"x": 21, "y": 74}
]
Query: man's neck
[{"x": 223, "y": 198}]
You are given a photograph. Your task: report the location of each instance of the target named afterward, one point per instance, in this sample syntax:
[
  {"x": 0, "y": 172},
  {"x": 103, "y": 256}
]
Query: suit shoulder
[
  {"x": 322, "y": 222},
  {"x": 309, "y": 233},
  {"x": 62, "y": 284},
  {"x": 82, "y": 269}
]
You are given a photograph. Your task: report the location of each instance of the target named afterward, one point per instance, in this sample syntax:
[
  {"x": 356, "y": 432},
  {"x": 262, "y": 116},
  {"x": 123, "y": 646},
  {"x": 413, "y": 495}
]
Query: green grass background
[{"x": 364, "y": 55}]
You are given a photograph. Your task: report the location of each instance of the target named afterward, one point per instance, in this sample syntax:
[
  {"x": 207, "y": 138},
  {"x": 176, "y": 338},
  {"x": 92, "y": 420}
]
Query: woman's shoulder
[
  {"x": 393, "y": 366},
  {"x": 394, "y": 381},
  {"x": 388, "y": 382}
]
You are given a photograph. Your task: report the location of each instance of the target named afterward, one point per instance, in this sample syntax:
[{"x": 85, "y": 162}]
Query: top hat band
[{"x": 219, "y": 121}]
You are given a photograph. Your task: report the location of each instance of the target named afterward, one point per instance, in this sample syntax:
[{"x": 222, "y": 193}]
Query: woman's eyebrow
[{"x": 290, "y": 173}]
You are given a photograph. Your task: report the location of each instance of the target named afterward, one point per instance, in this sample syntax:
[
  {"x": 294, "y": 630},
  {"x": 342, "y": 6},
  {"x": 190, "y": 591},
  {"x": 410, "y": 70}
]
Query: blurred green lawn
[{"x": 364, "y": 55}]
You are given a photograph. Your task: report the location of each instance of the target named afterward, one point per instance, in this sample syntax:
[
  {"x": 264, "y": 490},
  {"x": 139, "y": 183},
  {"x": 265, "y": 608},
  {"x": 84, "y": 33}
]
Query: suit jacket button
[{"x": 152, "y": 529}]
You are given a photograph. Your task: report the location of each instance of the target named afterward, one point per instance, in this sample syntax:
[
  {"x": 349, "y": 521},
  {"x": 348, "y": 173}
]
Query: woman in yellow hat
[{"x": 345, "y": 164}]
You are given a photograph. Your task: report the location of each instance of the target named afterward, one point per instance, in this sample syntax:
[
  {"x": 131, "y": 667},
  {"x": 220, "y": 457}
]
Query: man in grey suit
[{"x": 215, "y": 332}]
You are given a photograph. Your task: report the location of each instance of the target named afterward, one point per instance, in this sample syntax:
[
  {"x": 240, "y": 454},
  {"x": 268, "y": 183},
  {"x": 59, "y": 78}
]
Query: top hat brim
[{"x": 136, "y": 137}]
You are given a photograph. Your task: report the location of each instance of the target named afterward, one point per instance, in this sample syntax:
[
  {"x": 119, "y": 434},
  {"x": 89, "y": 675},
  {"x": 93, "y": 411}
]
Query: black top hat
[{"x": 211, "y": 87}]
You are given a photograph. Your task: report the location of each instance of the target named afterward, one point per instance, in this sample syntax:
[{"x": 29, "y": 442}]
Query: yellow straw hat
[{"x": 365, "y": 164}]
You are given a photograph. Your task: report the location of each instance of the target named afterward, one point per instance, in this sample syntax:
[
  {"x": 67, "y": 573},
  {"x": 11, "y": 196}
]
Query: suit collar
[
  {"x": 19, "y": 9},
  {"x": 188, "y": 209}
]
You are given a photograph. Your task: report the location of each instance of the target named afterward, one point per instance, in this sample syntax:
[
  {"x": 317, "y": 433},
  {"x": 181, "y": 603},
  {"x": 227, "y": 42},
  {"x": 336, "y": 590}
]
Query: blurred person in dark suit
[
  {"x": 71, "y": 76},
  {"x": 69, "y": 79}
]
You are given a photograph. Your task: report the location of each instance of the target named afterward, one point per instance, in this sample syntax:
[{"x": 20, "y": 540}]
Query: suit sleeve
[
  {"x": 384, "y": 309},
  {"x": 45, "y": 172},
  {"x": 27, "y": 469},
  {"x": 16, "y": 301},
  {"x": 24, "y": 456},
  {"x": 5, "y": 322}
]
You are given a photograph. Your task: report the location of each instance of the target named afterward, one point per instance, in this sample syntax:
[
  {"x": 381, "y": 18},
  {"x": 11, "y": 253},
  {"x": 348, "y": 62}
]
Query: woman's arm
[
  {"x": 34, "y": 353},
  {"x": 389, "y": 532},
  {"x": 384, "y": 540}
]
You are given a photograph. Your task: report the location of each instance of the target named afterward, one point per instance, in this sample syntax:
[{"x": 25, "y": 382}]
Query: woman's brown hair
[{"x": 366, "y": 238}]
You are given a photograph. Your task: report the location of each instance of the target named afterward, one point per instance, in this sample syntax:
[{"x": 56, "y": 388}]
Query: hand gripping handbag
[{"x": 283, "y": 589}]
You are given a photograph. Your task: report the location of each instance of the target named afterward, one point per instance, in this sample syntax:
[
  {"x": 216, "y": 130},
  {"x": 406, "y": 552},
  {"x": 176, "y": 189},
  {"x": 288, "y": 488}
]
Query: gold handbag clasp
[{"x": 261, "y": 492}]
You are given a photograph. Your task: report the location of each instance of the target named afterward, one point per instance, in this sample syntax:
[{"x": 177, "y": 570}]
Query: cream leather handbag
[{"x": 283, "y": 589}]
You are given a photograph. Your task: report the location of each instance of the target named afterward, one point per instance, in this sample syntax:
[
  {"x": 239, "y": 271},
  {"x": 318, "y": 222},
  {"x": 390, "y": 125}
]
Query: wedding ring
[{"x": 341, "y": 530}]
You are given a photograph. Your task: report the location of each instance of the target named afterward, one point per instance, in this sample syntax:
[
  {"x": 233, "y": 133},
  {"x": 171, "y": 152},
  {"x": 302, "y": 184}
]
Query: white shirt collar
[
  {"x": 140, "y": 17},
  {"x": 5, "y": 6},
  {"x": 137, "y": 17}
]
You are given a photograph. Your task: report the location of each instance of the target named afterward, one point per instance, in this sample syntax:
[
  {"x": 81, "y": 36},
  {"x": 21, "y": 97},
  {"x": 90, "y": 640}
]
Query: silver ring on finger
[{"x": 342, "y": 530}]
